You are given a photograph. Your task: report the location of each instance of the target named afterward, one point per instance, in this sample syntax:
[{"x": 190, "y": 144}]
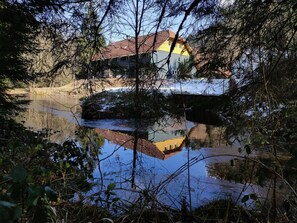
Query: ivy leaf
[
  {"x": 17, "y": 213},
  {"x": 6, "y": 178},
  {"x": 248, "y": 149},
  {"x": 16, "y": 191},
  {"x": 7, "y": 204},
  {"x": 52, "y": 195},
  {"x": 35, "y": 191},
  {"x": 4, "y": 214},
  {"x": 245, "y": 198},
  {"x": 111, "y": 186},
  {"x": 67, "y": 165},
  {"x": 253, "y": 197},
  {"x": 19, "y": 174},
  {"x": 115, "y": 199}
]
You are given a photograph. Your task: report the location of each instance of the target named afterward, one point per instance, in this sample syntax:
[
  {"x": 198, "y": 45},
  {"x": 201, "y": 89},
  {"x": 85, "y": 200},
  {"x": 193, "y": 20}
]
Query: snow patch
[{"x": 213, "y": 87}]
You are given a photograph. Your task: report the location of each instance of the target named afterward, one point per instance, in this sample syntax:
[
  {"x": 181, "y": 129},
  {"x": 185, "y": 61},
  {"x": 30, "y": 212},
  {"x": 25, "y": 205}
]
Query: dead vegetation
[{"x": 77, "y": 88}]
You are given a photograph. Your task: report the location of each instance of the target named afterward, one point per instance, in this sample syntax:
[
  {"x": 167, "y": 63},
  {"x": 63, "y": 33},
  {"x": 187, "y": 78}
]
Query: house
[{"x": 118, "y": 58}]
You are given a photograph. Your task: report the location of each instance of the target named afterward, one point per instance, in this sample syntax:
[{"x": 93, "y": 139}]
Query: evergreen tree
[
  {"x": 90, "y": 42},
  {"x": 258, "y": 40},
  {"x": 16, "y": 40}
]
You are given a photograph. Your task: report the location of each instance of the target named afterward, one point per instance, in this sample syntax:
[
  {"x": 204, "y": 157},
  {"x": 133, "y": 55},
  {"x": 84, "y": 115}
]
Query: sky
[{"x": 149, "y": 27}]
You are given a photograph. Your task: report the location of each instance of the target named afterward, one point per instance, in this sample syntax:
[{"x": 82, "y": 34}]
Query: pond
[{"x": 170, "y": 166}]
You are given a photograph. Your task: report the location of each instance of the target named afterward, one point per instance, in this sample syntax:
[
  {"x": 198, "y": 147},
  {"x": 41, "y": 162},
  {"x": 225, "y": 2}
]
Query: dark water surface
[{"x": 164, "y": 166}]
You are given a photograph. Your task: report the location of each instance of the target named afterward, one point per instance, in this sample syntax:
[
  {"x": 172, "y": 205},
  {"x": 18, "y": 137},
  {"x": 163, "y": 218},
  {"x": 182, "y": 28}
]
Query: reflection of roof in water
[{"x": 160, "y": 150}]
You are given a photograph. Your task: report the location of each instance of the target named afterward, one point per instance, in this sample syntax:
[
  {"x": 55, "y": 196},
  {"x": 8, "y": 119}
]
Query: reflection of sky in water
[{"x": 150, "y": 171}]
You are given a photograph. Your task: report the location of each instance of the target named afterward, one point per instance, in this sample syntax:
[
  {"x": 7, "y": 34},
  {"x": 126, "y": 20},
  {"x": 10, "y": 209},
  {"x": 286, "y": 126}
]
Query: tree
[
  {"x": 28, "y": 162},
  {"x": 89, "y": 43},
  {"x": 16, "y": 39},
  {"x": 264, "y": 48},
  {"x": 261, "y": 38},
  {"x": 256, "y": 39}
]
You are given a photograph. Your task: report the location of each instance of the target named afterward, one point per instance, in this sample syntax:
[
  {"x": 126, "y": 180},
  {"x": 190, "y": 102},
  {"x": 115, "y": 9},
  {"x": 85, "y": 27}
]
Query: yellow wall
[
  {"x": 173, "y": 142},
  {"x": 177, "y": 50}
]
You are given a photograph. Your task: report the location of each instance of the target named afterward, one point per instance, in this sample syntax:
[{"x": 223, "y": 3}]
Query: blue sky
[{"x": 148, "y": 27}]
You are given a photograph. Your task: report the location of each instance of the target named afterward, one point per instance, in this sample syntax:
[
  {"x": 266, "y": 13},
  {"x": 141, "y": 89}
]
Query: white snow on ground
[
  {"x": 118, "y": 89},
  {"x": 213, "y": 87}
]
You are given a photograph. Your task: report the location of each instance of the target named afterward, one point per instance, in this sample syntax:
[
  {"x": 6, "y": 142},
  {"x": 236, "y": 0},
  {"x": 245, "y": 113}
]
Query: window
[
  {"x": 180, "y": 45},
  {"x": 169, "y": 43}
]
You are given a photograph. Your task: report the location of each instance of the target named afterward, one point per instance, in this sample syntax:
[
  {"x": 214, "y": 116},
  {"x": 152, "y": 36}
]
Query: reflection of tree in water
[
  {"x": 207, "y": 136},
  {"x": 90, "y": 140},
  {"x": 92, "y": 143},
  {"x": 56, "y": 128},
  {"x": 235, "y": 170},
  {"x": 247, "y": 171}
]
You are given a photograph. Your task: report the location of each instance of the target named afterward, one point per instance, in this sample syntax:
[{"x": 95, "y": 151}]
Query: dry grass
[
  {"x": 18, "y": 91},
  {"x": 75, "y": 88}
]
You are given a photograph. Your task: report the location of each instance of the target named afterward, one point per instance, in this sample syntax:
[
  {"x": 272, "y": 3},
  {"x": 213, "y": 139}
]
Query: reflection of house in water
[
  {"x": 159, "y": 149},
  {"x": 159, "y": 144}
]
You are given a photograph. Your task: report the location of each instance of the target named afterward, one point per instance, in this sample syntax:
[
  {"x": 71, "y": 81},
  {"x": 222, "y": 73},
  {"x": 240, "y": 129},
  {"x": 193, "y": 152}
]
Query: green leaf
[
  {"x": 115, "y": 199},
  {"x": 16, "y": 191},
  {"x": 17, "y": 213},
  {"x": 52, "y": 195},
  {"x": 67, "y": 165},
  {"x": 253, "y": 197},
  {"x": 35, "y": 201},
  {"x": 51, "y": 211},
  {"x": 258, "y": 204},
  {"x": 248, "y": 149},
  {"x": 245, "y": 198},
  {"x": 39, "y": 147},
  {"x": 111, "y": 186},
  {"x": 4, "y": 214},
  {"x": 6, "y": 178},
  {"x": 7, "y": 204},
  {"x": 35, "y": 192},
  {"x": 19, "y": 174}
]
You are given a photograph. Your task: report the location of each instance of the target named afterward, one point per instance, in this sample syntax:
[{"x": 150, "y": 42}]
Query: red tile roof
[{"x": 127, "y": 47}]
